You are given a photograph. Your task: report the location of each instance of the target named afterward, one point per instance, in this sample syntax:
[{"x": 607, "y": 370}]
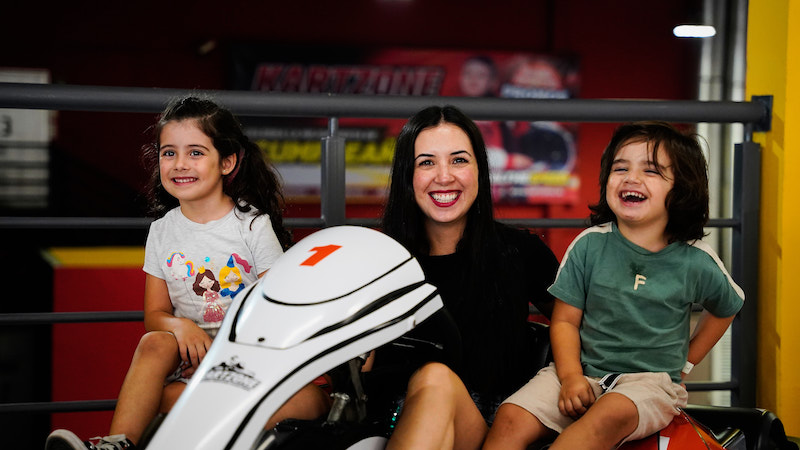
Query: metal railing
[{"x": 744, "y": 223}]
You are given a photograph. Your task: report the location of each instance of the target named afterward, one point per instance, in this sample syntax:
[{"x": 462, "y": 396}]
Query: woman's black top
[{"x": 483, "y": 327}]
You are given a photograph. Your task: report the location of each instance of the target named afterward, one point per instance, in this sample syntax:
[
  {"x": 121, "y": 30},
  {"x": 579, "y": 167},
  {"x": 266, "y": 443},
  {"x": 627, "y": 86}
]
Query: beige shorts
[{"x": 656, "y": 396}]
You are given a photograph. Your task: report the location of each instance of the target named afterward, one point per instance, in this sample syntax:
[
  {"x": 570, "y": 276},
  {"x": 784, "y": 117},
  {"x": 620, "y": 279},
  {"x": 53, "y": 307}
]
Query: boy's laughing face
[{"x": 637, "y": 189}]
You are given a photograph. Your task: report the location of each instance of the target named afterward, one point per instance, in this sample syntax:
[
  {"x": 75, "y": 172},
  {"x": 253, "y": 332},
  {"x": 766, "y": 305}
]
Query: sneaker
[{"x": 67, "y": 440}]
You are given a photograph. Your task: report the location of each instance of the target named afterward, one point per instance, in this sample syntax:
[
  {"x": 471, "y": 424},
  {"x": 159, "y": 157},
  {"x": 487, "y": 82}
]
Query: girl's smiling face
[
  {"x": 189, "y": 164},
  {"x": 445, "y": 174},
  {"x": 637, "y": 188}
]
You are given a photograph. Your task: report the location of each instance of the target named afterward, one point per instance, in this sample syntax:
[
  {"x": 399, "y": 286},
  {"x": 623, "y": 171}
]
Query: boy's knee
[
  {"x": 616, "y": 414},
  {"x": 514, "y": 423},
  {"x": 621, "y": 410},
  {"x": 510, "y": 414}
]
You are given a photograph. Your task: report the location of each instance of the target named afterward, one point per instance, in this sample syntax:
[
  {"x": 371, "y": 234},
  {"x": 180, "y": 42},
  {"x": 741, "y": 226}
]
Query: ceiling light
[{"x": 694, "y": 31}]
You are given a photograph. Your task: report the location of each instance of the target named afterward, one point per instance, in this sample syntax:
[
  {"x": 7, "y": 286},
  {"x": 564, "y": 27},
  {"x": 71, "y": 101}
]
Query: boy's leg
[
  {"x": 515, "y": 427},
  {"x": 607, "y": 422},
  {"x": 438, "y": 413},
  {"x": 155, "y": 358},
  {"x": 529, "y": 415}
]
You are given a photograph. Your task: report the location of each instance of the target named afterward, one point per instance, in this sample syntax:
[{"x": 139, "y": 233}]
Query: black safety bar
[{"x": 251, "y": 103}]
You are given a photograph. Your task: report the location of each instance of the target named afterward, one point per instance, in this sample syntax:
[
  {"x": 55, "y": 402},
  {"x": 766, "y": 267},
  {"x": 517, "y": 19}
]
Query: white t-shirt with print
[{"x": 206, "y": 265}]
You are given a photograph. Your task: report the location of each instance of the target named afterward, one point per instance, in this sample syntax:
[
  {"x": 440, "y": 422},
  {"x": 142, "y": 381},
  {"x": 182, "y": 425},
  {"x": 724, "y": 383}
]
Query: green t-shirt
[{"x": 636, "y": 303}]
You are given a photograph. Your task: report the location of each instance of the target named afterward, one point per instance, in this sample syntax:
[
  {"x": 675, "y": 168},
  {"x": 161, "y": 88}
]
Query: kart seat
[{"x": 762, "y": 428}]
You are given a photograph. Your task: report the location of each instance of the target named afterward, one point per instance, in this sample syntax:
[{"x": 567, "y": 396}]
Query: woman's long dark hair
[
  {"x": 687, "y": 201},
  {"x": 252, "y": 183}
]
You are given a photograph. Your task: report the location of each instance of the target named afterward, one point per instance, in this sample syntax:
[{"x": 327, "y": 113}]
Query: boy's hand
[
  {"x": 576, "y": 396},
  {"x": 193, "y": 342}
]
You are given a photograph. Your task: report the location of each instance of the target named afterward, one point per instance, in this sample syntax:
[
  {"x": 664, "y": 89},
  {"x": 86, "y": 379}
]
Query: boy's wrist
[
  {"x": 687, "y": 368},
  {"x": 567, "y": 374}
]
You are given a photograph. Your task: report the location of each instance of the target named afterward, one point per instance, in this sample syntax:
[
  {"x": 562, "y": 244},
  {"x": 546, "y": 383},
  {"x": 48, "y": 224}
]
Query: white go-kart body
[{"x": 335, "y": 295}]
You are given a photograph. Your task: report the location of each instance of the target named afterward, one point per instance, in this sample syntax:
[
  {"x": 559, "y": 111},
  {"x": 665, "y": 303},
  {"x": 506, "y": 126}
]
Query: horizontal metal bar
[
  {"x": 712, "y": 386},
  {"x": 545, "y": 222},
  {"x": 304, "y": 222},
  {"x": 52, "y": 407},
  {"x": 724, "y": 223},
  {"x": 74, "y": 222},
  {"x": 254, "y": 103},
  {"x": 583, "y": 223},
  {"x": 70, "y": 317},
  {"x": 295, "y": 222},
  {"x": 109, "y": 405},
  {"x": 364, "y": 222},
  {"x": 111, "y": 223},
  {"x": 109, "y": 316}
]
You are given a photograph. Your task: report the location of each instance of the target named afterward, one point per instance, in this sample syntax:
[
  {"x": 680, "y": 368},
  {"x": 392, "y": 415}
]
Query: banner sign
[{"x": 531, "y": 162}]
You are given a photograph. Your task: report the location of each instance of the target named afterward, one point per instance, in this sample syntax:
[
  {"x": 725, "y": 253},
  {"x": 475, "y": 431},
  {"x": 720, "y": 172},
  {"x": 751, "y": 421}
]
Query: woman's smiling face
[{"x": 445, "y": 174}]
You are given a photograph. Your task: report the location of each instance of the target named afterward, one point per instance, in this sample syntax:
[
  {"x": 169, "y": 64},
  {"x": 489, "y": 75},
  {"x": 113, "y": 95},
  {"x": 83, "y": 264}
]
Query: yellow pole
[{"x": 773, "y": 34}]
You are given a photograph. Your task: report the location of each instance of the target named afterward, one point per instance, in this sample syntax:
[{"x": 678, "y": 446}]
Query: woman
[{"x": 440, "y": 208}]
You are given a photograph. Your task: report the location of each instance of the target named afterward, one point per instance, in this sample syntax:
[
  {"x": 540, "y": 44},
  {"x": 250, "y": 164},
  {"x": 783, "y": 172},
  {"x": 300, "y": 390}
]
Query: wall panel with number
[{"x": 24, "y": 148}]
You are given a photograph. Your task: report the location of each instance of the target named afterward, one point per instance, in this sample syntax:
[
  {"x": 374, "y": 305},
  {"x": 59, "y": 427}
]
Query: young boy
[{"x": 625, "y": 289}]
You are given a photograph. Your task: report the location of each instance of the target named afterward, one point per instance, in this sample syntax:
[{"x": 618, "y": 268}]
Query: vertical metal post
[
  {"x": 744, "y": 268},
  {"x": 332, "y": 201}
]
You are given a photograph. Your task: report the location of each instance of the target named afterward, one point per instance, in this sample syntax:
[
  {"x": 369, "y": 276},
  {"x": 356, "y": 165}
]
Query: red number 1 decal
[{"x": 321, "y": 253}]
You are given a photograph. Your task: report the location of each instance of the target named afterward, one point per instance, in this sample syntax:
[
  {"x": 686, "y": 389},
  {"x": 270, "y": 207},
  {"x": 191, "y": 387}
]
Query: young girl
[
  {"x": 220, "y": 205},
  {"x": 625, "y": 288}
]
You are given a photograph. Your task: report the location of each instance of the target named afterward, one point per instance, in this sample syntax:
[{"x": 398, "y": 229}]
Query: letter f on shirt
[{"x": 638, "y": 280}]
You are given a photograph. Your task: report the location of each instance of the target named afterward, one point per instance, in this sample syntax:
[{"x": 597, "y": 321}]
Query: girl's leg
[
  {"x": 438, "y": 413},
  {"x": 308, "y": 403},
  {"x": 607, "y": 422},
  {"x": 170, "y": 395},
  {"x": 155, "y": 358},
  {"x": 515, "y": 427}
]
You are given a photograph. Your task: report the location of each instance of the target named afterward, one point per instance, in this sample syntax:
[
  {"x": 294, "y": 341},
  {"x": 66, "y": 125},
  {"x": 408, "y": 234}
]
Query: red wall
[{"x": 91, "y": 360}]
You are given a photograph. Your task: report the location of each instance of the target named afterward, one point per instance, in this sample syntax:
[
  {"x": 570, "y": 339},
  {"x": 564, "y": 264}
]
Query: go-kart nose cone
[
  {"x": 335, "y": 295},
  {"x": 330, "y": 264}
]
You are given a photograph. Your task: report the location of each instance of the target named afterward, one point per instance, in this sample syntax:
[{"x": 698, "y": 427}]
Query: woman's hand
[{"x": 576, "y": 396}]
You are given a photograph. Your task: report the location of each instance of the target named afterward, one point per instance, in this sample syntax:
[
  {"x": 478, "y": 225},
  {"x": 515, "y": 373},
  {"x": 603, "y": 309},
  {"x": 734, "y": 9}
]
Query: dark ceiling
[{"x": 166, "y": 43}]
